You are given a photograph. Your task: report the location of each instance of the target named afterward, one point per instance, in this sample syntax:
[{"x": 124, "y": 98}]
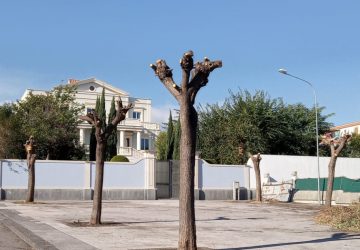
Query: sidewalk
[{"x": 154, "y": 225}]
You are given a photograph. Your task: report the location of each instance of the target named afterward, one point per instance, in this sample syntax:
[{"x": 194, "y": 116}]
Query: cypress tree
[
  {"x": 102, "y": 110},
  {"x": 177, "y": 135},
  {"x": 92, "y": 156},
  {"x": 112, "y": 140},
  {"x": 170, "y": 139}
]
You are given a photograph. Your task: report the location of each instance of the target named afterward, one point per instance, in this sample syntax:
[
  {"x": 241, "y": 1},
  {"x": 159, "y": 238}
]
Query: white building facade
[{"x": 135, "y": 134}]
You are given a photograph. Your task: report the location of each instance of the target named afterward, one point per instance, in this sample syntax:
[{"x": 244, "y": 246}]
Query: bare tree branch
[
  {"x": 120, "y": 116},
  {"x": 187, "y": 64},
  {"x": 200, "y": 75},
  {"x": 165, "y": 75}
]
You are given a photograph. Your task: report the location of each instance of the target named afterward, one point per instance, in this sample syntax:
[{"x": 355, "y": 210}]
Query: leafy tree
[
  {"x": 353, "y": 147},
  {"x": 52, "y": 119},
  {"x": 194, "y": 77},
  {"x": 111, "y": 150},
  {"x": 160, "y": 145},
  {"x": 170, "y": 138},
  {"x": 11, "y": 137},
  {"x": 261, "y": 124}
]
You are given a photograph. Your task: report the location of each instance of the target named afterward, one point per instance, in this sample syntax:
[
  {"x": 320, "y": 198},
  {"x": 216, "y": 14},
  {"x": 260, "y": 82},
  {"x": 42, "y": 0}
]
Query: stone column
[
  {"x": 138, "y": 140},
  {"x": 121, "y": 138},
  {"x": 82, "y": 136}
]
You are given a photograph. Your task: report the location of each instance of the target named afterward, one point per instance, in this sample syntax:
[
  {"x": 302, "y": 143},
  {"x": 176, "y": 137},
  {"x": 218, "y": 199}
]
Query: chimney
[{"x": 72, "y": 81}]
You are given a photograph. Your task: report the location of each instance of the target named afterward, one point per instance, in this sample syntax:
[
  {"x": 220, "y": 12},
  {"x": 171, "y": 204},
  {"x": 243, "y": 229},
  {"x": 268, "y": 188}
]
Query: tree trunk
[
  {"x": 330, "y": 184},
  {"x": 99, "y": 179},
  {"x": 187, "y": 228},
  {"x": 31, "y": 177},
  {"x": 256, "y": 162}
]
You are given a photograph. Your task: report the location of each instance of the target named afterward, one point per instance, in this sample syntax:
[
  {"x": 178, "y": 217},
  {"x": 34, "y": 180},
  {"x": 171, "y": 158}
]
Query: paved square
[{"x": 220, "y": 225}]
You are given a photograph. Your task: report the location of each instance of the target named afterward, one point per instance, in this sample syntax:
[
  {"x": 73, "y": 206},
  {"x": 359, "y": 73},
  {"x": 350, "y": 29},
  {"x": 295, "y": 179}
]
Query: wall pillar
[
  {"x": 247, "y": 180},
  {"x": 198, "y": 182},
  {"x": 1, "y": 190},
  {"x": 150, "y": 177},
  {"x": 138, "y": 140}
]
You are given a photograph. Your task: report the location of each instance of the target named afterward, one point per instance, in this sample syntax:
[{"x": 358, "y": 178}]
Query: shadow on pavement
[{"x": 334, "y": 237}]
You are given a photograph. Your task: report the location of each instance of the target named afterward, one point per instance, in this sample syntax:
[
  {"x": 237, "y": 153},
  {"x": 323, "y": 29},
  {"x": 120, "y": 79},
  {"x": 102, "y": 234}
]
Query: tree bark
[
  {"x": 336, "y": 146},
  {"x": 185, "y": 94},
  {"x": 99, "y": 180},
  {"x": 187, "y": 227},
  {"x": 31, "y": 177},
  {"x": 330, "y": 184},
  {"x": 256, "y": 162}
]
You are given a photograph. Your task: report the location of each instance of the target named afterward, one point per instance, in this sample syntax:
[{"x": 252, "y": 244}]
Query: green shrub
[{"x": 119, "y": 158}]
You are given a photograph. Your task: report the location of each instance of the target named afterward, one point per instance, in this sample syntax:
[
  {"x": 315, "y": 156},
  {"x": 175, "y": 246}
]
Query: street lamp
[{"x": 284, "y": 71}]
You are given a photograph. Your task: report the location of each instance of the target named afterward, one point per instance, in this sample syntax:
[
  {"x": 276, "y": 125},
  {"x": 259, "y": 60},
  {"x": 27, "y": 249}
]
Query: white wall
[
  {"x": 72, "y": 174},
  {"x": 280, "y": 167},
  {"x": 222, "y": 176}
]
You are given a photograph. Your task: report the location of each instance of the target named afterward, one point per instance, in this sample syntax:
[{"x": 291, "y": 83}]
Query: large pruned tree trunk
[
  {"x": 256, "y": 162},
  {"x": 336, "y": 146},
  {"x": 102, "y": 133},
  {"x": 30, "y": 158},
  {"x": 185, "y": 94}
]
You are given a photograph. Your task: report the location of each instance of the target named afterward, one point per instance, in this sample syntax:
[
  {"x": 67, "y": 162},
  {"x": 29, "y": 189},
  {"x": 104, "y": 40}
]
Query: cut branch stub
[
  {"x": 203, "y": 69},
  {"x": 187, "y": 62},
  {"x": 162, "y": 70}
]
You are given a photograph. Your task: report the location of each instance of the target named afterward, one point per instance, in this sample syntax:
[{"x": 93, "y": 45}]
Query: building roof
[
  {"x": 346, "y": 125},
  {"x": 99, "y": 82}
]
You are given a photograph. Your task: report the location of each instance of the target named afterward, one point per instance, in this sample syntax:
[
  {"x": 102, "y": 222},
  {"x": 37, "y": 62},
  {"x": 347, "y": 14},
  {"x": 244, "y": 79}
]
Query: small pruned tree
[
  {"x": 30, "y": 158},
  {"x": 256, "y": 162},
  {"x": 194, "y": 77},
  {"x": 336, "y": 146},
  {"x": 102, "y": 133}
]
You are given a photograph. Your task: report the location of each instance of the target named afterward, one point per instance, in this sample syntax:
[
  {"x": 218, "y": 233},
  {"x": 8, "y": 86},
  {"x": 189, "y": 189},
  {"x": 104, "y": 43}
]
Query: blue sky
[{"x": 44, "y": 42}]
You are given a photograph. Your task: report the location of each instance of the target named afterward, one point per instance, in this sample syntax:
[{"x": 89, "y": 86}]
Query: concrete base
[
  {"x": 338, "y": 197},
  {"x": 219, "y": 194},
  {"x": 80, "y": 194}
]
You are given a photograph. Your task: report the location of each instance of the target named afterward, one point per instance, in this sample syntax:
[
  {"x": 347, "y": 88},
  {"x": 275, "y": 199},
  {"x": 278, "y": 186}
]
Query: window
[
  {"x": 144, "y": 144},
  {"x": 91, "y": 88},
  {"x": 88, "y": 110},
  {"x": 136, "y": 115}
]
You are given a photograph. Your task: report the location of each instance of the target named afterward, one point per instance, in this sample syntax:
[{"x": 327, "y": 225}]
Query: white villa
[{"x": 135, "y": 134}]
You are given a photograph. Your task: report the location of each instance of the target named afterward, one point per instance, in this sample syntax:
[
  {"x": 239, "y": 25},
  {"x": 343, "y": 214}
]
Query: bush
[{"x": 119, "y": 158}]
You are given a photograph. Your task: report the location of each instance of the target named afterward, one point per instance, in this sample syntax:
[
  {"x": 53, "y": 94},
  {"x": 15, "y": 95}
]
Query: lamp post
[{"x": 284, "y": 71}]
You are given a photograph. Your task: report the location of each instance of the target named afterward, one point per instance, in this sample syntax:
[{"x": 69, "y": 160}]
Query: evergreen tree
[
  {"x": 102, "y": 110},
  {"x": 92, "y": 156},
  {"x": 170, "y": 139},
  {"x": 112, "y": 140},
  {"x": 177, "y": 136}
]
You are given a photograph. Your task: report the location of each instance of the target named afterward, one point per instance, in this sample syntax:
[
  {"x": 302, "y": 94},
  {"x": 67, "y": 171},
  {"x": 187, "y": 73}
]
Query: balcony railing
[{"x": 132, "y": 152}]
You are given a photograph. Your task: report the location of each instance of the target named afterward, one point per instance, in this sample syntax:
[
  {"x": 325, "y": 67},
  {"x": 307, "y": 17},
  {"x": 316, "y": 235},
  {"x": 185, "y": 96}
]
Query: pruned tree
[
  {"x": 256, "y": 162},
  {"x": 336, "y": 146},
  {"x": 102, "y": 133},
  {"x": 194, "y": 77},
  {"x": 30, "y": 158}
]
